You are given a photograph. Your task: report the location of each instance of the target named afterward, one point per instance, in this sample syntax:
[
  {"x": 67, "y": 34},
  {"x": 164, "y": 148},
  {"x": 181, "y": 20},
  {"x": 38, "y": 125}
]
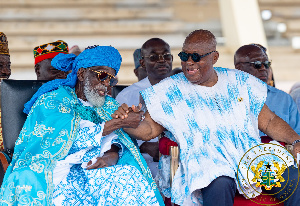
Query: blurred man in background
[
  {"x": 43, "y": 55},
  {"x": 156, "y": 59},
  {"x": 139, "y": 71},
  {"x": 5, "y": 72}
]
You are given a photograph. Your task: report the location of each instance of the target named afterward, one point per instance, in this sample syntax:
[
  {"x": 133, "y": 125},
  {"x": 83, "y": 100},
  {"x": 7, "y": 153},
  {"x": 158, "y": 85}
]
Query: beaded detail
[{"x": 296, "y": 141}]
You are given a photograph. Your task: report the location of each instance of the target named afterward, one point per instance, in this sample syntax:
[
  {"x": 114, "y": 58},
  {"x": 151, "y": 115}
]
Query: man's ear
[
  {"x": 136, "y": 72},
  {"x": 37, "y": 70},
  {"x": 80, "y": 74},
  {"x": 216, "y": 57},
  {"x": 238, "y": 66},
  {"x": 142, "y": 63}
]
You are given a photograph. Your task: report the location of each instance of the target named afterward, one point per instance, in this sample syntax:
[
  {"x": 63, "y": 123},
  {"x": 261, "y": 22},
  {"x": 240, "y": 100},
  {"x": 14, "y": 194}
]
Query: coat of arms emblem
[{"x": 268, "y": 175}]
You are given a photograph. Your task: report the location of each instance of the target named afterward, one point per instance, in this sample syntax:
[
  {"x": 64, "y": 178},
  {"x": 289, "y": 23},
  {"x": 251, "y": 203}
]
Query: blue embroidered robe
[{"x": 46, "y": 137}]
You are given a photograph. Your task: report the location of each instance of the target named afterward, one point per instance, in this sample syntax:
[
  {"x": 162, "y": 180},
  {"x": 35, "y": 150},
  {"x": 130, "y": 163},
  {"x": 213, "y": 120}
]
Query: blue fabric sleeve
[{"x": 294, "y": 117}]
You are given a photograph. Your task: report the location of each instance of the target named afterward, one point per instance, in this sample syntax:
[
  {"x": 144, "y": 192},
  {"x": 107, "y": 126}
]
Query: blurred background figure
[
  {"x": 254, "y": 60},
  {"x": 43, "y": 56},
  {"x": 4, "y": 70},
  {"x": 156, "y": 59},
  {"x": 131, "y": 95},
  {"x": 75, "y": 50},
  {"x": 4, "y": 74},
  {"x": 270, "y": 81},
  {"x": 139, "y": 71},
  {"x": 4, "y": 57},
  {"x": 295, "y": 94},
  {"x": 294, "y": 87}
]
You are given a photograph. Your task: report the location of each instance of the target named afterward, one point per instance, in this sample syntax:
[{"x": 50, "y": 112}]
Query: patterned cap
[
  {"x": 3, "y": 44},
  {"x": 49, "y": 50}
]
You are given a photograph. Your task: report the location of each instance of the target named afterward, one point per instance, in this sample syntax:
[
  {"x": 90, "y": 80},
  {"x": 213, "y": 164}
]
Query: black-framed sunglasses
[
  {"x": 195, "y": 56},
  {"x": 156, "y": 57},
  {"x": 102, "y": 76},
  {"x": 258, "y": 64}
]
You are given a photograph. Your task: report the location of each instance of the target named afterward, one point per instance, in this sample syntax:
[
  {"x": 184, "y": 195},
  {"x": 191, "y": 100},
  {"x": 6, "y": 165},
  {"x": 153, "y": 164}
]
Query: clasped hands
[
  {"x": 131, "y": 116},
  {"x": 128, "y": 117}
]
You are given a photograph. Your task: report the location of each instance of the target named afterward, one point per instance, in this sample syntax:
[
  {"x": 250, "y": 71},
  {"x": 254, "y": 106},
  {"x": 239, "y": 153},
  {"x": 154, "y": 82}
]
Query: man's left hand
[{"x": 108, "y": 159}]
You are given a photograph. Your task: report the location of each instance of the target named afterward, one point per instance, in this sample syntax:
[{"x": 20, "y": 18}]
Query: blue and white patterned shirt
[{"x": 213, "y": 126}]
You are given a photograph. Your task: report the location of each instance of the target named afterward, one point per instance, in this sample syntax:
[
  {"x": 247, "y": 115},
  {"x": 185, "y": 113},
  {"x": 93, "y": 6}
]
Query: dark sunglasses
[
  {"x": 195, "y": 56},
  {"x": 258, "y": 64},
  {"x": 102, "y": 76},
  {"x": 156, "y": 57}
]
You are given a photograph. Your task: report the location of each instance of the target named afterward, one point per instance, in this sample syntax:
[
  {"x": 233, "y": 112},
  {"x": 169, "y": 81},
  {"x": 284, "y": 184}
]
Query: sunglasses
[
  {"x": 102, "y": 76},
  {"x": 258, "y": 64},
  {"x": 195, "y": 56},
  {"x": 156, "y": 57}
]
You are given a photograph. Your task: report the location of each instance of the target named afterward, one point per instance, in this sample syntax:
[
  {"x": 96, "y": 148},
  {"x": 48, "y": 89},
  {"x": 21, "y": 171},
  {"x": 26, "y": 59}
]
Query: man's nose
[
  {"x": 190, "y": 61},
  {"x": 161, "y": 58}
]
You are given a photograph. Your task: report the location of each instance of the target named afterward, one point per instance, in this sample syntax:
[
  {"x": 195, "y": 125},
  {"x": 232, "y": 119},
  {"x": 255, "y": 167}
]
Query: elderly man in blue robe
[{"x": 70, "y": 151}]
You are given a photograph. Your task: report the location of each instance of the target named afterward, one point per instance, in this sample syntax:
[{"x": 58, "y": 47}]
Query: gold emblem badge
[
  {"x": 266, "y": 176},
  {"x": 262, "y": 166}
]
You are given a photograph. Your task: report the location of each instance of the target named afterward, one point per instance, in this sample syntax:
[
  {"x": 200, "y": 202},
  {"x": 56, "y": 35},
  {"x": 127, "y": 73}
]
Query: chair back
[
  {"x": 116, "y": 90},
  {"x": 14, "y": 94}
]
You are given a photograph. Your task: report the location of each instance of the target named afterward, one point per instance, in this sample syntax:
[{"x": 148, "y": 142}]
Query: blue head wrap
[{"x": 90, "y": 57}]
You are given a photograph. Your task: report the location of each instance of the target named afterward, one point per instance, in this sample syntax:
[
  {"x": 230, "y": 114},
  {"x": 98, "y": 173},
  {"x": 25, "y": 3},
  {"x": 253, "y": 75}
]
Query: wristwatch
[{"x": 296, "y": 141}]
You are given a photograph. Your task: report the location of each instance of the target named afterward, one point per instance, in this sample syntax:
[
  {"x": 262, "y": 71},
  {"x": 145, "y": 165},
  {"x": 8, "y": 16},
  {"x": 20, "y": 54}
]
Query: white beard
[{"x": 92, "y": 95}]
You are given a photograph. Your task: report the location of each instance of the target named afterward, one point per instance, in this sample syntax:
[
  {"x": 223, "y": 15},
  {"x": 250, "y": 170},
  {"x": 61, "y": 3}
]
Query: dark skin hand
[
  {"x": 148, "y": 129},
  {"x": 109, "y": 158},
  {"x": 152, "y": 149},
  {"x": 124, "y": 110},
  {"x": 132, "y": 120}
]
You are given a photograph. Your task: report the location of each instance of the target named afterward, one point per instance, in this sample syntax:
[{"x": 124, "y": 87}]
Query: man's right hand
[
  {"x": 143, "y": 130},
  {"x": 124, "y": 117},
  {"x": 124, "y": 109}
]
